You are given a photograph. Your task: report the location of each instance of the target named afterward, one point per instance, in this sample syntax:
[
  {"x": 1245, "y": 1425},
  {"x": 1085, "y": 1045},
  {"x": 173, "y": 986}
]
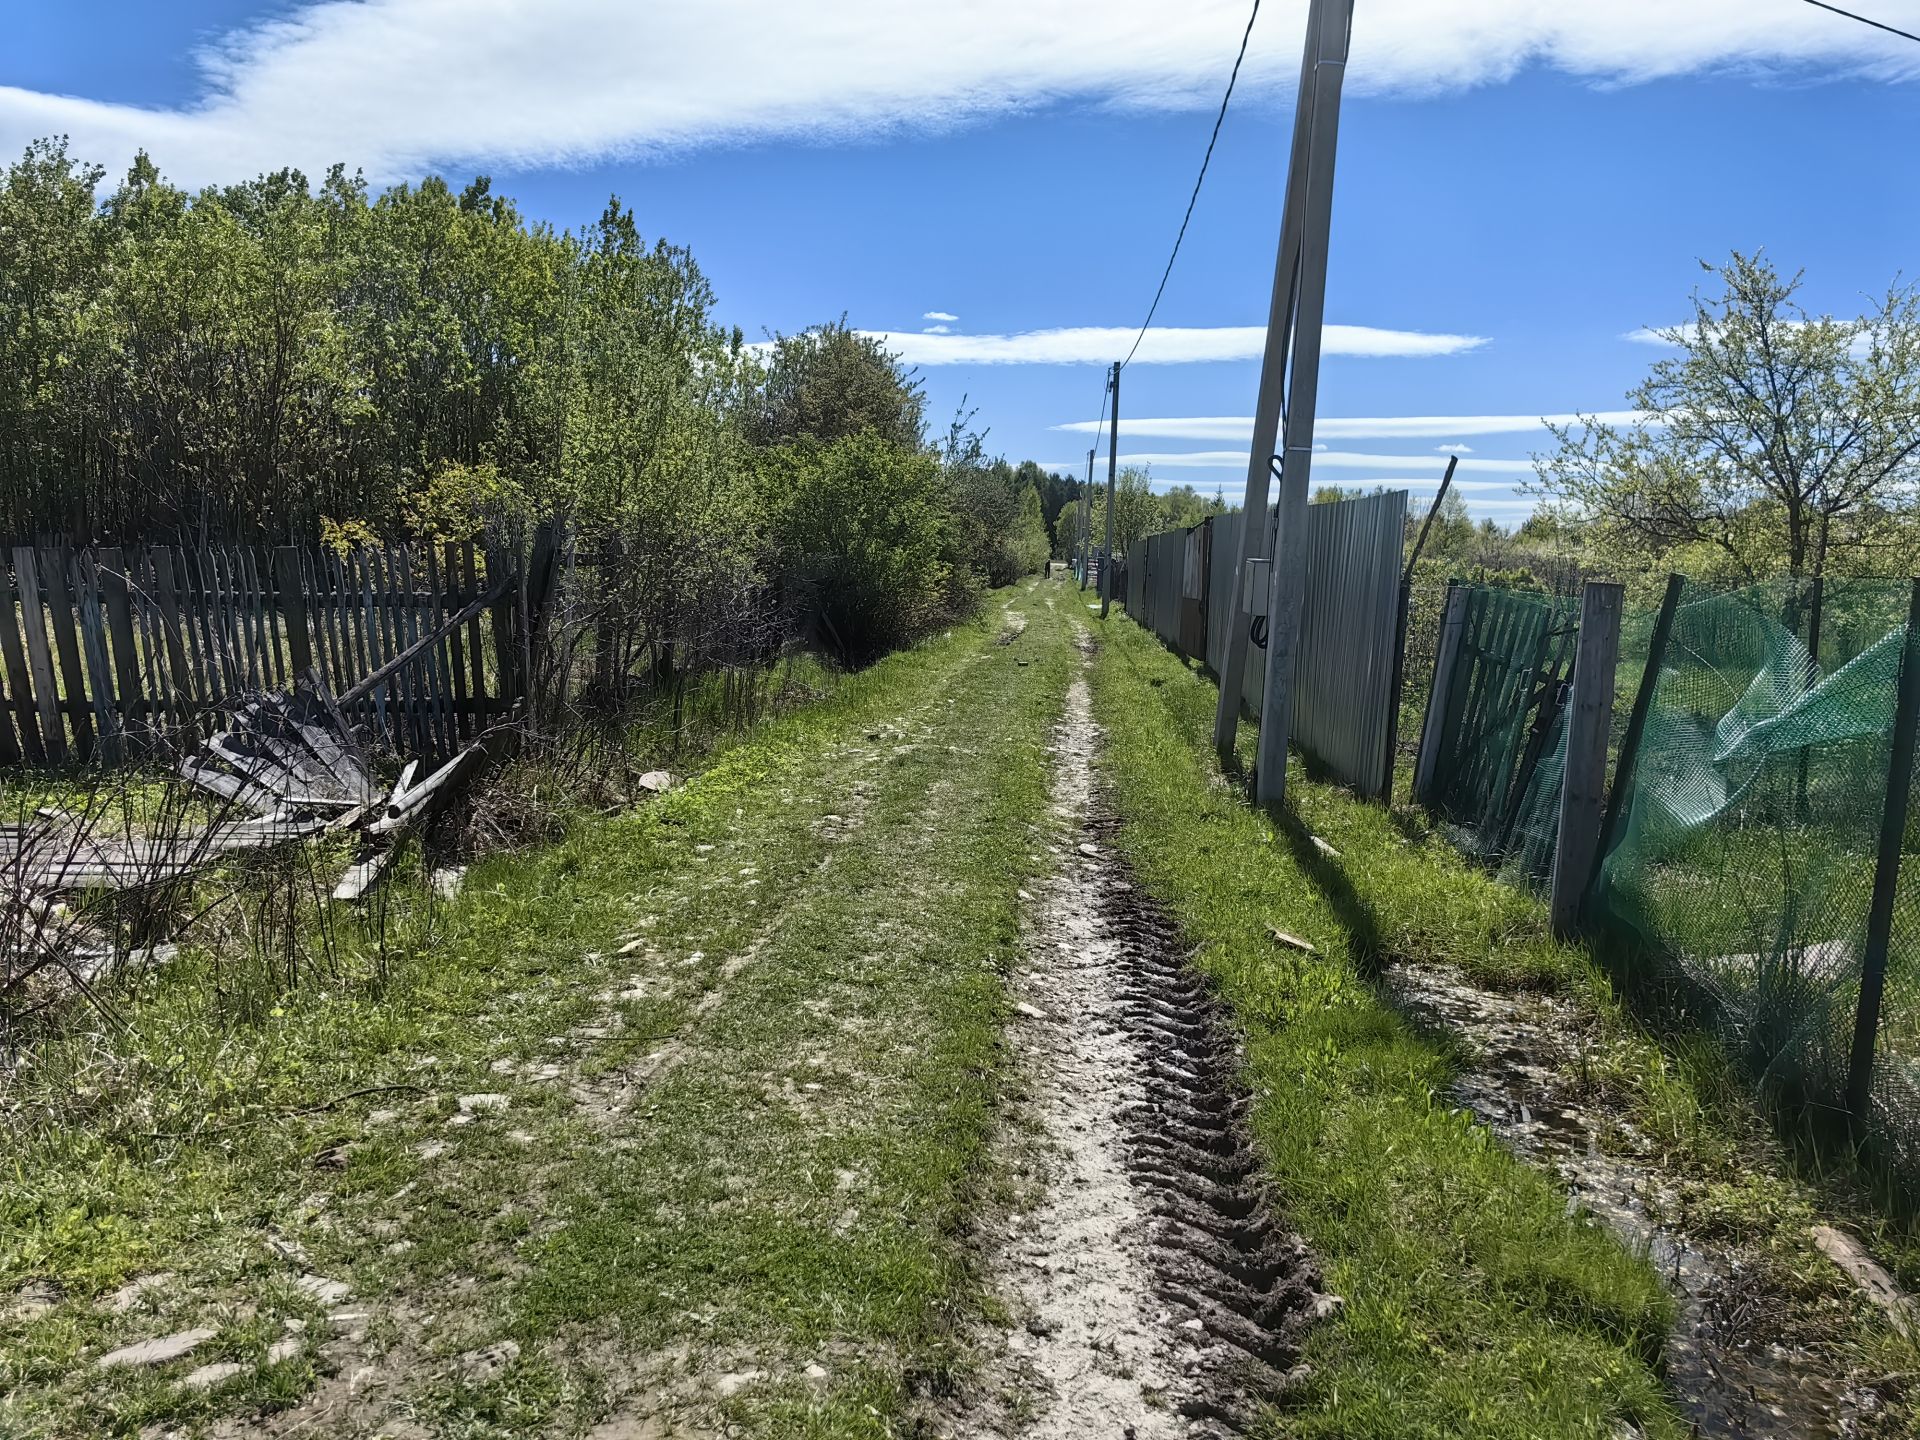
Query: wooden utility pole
[
  {"x": 1085, "y": 508},
  {"x": 1113, "y": 472},
  {"x": 1272, "y": 393},
  {"x": 1296, "y": 465}
]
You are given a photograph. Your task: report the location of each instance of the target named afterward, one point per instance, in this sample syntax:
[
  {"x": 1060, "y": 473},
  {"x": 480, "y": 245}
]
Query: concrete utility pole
[
  {"x": 1296, "y": 466},
  {"x": 1085, "y": 507},
  {"x": 1271, "y": 399},
  {"x": 1113, "y": 471}
]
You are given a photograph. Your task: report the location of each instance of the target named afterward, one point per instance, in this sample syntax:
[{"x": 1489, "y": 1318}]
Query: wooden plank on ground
[
  {"x": 230, "y": 787},
  {"x": 364, "y": 874}
]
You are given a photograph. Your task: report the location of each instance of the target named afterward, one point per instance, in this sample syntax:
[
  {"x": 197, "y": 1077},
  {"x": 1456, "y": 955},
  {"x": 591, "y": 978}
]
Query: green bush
[{"x": 862, "y": 522}]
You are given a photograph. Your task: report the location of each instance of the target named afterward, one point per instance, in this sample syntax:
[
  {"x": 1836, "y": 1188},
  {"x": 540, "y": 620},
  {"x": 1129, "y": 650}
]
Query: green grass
[
  {"x": 1456, "y": 1331},
  {"x": 1475, "y": 1305},
  {"x": 769, "y": 1113}
]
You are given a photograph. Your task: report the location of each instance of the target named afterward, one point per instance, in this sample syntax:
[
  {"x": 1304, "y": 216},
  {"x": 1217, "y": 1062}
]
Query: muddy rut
[
  {"x": 1746, "y": 1360},
  {"x": 1149, "y": 1288}
]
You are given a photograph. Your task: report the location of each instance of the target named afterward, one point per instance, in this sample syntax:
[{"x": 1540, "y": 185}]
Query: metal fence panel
[{"x": 1346, "y": 686}]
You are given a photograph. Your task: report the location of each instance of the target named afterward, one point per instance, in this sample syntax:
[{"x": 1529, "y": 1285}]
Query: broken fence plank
[{"x": 363, "y": 875}]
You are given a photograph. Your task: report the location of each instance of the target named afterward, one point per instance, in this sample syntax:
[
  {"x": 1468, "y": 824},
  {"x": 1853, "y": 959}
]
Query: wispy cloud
[
  {"x": 1163, "y": 345},
  {"x": 937, "y": 330},
  {"x": 1453, "y": 449},
  {"x": 1332, "y": 460},
  {"x": 1358, "y": 427},
  {"x": 1657, "y": 334},
  {"x": 944, "y": 316},
  {"x": 415, "y": 83}
]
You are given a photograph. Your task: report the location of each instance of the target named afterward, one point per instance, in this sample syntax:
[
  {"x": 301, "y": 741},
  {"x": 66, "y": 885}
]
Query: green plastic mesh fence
[
  {"x": 1745, "y": 850},
  {"x": 1496, "y": 774}
]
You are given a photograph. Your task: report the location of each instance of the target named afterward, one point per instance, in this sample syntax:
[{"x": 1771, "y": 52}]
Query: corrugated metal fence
[{"x": 1179, "y": 585}]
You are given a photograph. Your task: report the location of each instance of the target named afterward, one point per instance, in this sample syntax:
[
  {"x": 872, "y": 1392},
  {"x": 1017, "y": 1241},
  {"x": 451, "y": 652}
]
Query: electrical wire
[
  {"x": 1199, "y": 180},
  {"x": 1878, "y": 25}
]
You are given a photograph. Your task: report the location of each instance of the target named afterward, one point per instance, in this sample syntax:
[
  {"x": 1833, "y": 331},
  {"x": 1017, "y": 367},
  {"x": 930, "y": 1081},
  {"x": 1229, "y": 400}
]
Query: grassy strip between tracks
[
  {"x": 1475, "y": 1307},
  {"x": 746, "y": 1038}
]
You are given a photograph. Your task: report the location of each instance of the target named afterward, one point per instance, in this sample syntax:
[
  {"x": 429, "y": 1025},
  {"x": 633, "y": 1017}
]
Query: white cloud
[
  {"x": 1657, "y": 334},
  {"x": 398, "y": 85},
  {"x": 1360, "y": 427},
  {"x": 1861, "y": 347},
  {"x": 937, "y": 330},
  {"x": 1163, "y": 345},
  {"x": 945, "y": 317},
  {"x": 1453, "y": 449},
  {"x": 1333, "y": 460}
]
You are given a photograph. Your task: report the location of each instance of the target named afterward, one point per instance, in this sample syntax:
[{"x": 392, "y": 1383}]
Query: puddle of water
[{"x": 1728, "y": 1381}]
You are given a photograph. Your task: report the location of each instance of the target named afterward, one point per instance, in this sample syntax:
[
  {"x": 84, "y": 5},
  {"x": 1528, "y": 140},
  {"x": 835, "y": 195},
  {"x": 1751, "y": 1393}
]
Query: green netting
[
  {"x": 1497, "y": 759},
  {"x": 1746, "y": 845}
]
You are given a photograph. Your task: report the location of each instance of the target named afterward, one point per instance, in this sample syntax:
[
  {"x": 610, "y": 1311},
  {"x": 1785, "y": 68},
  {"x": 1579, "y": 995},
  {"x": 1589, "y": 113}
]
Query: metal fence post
[
  {"x": 1583, "y": 782},
  {"x": 1452, "y": 621},
  {"x": 1403, "y": 612},
  {"x": 1886, "y": 868}
]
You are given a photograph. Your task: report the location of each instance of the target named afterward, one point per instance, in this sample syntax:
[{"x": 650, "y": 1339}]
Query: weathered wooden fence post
[
  {"x": 1886, "y": 867},
  {"x": 293, "y": 608},
  {"x": 1583, "y": 781},
  {"x": 1452, "y": 622},
  {"x": 56, "y": 577},
  {"x": 20, "y": 682},
  {"x": 1629, "y": 758},
  {"x": 33, "y": 622},
  {"x": 117, "y": 593}
]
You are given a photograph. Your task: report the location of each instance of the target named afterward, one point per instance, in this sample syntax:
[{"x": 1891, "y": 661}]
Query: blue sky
[{"x": 1518, "y": 191}]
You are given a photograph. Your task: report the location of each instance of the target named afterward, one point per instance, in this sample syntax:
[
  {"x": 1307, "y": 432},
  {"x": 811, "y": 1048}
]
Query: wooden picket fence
[{"x": 115, "y": 652}]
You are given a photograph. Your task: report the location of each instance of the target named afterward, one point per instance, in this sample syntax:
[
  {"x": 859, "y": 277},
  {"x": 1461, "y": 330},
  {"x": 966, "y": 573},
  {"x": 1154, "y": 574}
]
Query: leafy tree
[
  {"x": 1783, "y": 441},
  {"x": 831, "y": 382},
  {"x": 863, "y": 523},
  {"x": 1183, "y": 507},
  {"x": 1137, "y": 511},
  {"x": 1057, "y": 492}
]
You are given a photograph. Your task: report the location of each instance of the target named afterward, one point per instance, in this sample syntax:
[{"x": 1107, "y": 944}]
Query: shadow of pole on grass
[{"x": 1329, "y": 877}]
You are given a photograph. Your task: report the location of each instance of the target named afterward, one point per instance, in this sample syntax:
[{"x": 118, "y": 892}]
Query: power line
[
  {"x": 1199, "y": 180},
  {"x": 1890, "y": 29}
]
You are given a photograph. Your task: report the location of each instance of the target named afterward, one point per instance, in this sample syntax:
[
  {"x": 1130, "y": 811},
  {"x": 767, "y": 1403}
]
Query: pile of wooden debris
[
  {"x": 294, "y": 761},
  {"x": 286, "y": 768}
]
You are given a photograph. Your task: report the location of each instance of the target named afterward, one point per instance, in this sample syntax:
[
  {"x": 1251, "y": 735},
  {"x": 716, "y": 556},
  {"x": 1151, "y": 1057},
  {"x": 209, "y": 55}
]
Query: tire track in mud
[{"x": 1153, "y": 1291}]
